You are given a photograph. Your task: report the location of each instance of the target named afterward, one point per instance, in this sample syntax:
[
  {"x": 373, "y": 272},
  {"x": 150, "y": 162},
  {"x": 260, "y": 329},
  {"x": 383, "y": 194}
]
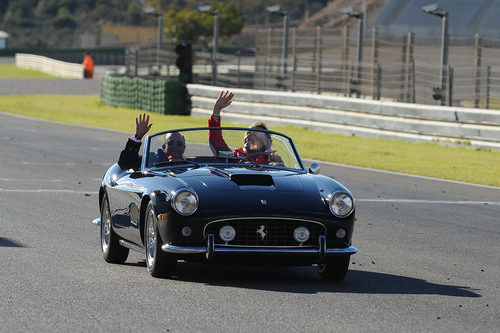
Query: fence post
[
  {"x": 413, "y": 93},
  {"x": 488, "y": 83},
  {"x": 477, "y": 65},
  {"x": 268, "y": 59},
  {"x": 294, "y": 56},
  {"x": 410, "y": 38},
  {"x": 136, "y": 61},
  {"x": 318, "y": 60},
  {"x": 239, "y": 68},
  {"x": 374, "y": 61},
  {"x": 346, "y": 75},
  {"x": 403, "y": 72},
  {"x": 450, "y": 85},
  {"x": 379, "y": 82},
  {"x": 351, "y": 75}
]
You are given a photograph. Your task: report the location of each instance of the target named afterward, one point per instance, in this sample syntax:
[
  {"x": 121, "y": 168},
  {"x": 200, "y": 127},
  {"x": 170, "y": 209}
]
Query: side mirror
[{"x": 314, "y": 168}]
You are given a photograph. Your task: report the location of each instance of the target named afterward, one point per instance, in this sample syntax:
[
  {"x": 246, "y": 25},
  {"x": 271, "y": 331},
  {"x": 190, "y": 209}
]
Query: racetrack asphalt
[
  {"x": 11, "y": 86},
  {"x": 426, "y": 263}
]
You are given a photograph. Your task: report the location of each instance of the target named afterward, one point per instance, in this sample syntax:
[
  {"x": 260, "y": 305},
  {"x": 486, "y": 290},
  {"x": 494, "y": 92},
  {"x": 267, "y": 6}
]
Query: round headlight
[
  {"x": 227, "y": 233},
  {"x": 301, "y": 234},
  {"x": 341, "y": 204},
  {"x": 185, "y": 202}
]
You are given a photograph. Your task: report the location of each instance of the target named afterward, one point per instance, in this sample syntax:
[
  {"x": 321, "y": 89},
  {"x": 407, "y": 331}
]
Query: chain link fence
[{"x": 324, "y": 61}]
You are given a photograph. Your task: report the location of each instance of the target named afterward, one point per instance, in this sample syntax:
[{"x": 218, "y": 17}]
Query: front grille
[{"x": 279, "y": 232}]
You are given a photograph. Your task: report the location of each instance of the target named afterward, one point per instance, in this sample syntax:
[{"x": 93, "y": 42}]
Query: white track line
[
  {"x": 30, "y": 180},
  {"x": 378, "y": 200},
  {"x": 443, "y": 202},
  {"x": 42, "y": 190}
]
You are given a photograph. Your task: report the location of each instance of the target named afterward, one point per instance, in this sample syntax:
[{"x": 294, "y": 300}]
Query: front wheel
[
  {"x": 159, "y": 263},
  {"x": 335, "y": 268},
  {"x": 111, "y": 249}
]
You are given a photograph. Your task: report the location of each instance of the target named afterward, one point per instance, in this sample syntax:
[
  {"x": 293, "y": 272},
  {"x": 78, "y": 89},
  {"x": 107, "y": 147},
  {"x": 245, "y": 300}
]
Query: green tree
[
  {"x": 189, "y": 25},
  {"x": 183, "y": 26}
]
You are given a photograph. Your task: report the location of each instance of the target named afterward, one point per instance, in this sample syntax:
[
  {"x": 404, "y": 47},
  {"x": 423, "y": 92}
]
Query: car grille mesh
[{"x": 279, "y": 232}]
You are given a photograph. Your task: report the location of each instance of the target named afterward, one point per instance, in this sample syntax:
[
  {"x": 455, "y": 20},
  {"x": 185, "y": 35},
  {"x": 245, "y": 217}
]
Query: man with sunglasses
[
  {"x": 256, "y": 144},
  {"x": 172, "y": 148}
]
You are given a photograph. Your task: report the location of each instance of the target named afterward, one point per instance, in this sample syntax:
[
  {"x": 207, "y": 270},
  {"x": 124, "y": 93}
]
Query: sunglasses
[{"x": 171, "y": 143}]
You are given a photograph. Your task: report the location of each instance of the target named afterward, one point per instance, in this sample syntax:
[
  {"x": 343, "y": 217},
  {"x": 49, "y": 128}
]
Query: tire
[
  {"x": 335, "y": 268},
  {"x": 159, "y": 263},
  {"x": 111, "y": 249}
]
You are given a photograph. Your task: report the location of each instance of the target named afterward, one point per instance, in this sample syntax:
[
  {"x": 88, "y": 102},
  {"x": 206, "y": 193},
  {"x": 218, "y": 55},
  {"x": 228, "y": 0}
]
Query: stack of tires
[{"x": 145, "y": 93}]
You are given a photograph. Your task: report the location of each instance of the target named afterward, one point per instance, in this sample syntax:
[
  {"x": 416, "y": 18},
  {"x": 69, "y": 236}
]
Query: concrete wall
[
  {"x": 50, "y": 66},
  {"x": 402, "y": 121}
]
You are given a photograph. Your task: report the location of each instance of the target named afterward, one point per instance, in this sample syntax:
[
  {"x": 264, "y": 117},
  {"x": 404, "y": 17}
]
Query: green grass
[
  {"x": 11, "y": 71},
  {"x": 427, "y": 159}
]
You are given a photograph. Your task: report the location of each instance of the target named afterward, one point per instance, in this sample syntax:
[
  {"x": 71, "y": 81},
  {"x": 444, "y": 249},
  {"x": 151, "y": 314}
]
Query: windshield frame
[{"x": 147, "y": 144}]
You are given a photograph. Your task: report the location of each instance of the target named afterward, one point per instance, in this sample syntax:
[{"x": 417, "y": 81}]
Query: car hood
[{"x": 259, "y": 191}]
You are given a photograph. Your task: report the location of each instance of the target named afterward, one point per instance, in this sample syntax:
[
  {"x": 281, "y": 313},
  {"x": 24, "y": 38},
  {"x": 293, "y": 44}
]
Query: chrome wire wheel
[
  {"x": 159, "y": 263},
  {"x": 111, "y": 249},
  {"x": 151, "y": 241},
  {"x": 105, "y": 228}
]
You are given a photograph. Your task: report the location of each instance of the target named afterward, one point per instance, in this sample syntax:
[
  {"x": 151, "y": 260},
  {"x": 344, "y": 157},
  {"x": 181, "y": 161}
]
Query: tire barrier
[
  {"x": 145, "y": 93},
  {"x": 50, "y": 66}
]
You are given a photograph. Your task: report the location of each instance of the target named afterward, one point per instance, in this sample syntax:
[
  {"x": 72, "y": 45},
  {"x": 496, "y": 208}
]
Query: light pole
[
  {"x": 284, "y": 49},
  {"x": 350, "y": 11},
  {"x": 215, "y": 41},
  {"x": 159, "y": 16},
  {"x": 433, "y": 9}
]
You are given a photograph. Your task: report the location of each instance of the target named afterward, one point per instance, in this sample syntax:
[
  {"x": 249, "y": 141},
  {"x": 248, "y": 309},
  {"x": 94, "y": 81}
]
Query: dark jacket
[{"x": 129, "y": 157}]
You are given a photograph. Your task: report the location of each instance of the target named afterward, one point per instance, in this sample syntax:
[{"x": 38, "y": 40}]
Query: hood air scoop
[{"x": 249, "y": 179}]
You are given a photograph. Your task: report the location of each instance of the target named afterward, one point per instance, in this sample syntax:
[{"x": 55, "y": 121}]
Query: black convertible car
[{"x": 217, "y": 206}]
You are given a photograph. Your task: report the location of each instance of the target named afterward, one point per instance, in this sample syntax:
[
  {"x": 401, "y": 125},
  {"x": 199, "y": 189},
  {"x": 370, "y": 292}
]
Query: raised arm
[
  {"x": 215, "y": 137},
  {"x": 129, "y": 157}
]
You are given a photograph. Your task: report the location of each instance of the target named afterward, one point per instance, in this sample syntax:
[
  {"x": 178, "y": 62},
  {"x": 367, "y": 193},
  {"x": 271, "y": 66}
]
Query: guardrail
[
  {"x": 50, "y": 66},
  {"x": 389, "y": 120}
]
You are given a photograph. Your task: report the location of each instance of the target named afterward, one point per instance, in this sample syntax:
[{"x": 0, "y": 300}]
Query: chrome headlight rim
[
  {"x": 333, "y": 196},
  {"x": 176, "y": 194}
]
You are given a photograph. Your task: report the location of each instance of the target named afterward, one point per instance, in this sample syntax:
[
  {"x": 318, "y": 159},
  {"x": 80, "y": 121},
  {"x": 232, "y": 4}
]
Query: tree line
[{"x": 57, "y": 23}]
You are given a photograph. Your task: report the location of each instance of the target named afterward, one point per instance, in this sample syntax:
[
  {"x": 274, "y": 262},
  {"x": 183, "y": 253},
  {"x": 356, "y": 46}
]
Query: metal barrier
[{"x": 367, "y": 118}]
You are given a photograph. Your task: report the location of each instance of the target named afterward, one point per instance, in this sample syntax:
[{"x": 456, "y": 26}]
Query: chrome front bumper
[{"x": 211, "y": 249}]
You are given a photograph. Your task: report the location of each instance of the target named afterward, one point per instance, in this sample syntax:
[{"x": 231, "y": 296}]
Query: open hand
[
  {"x": 223, "y": 101},
  {"x": 142, "y": 125}
]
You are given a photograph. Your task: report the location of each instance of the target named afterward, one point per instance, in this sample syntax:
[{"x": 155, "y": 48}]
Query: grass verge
[
  {"x": 427, "y": 159},
  {"x": 13, "y": 72}
]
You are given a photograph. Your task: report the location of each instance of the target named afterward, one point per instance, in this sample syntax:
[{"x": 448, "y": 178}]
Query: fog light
[
  {"x": 301, "y": 234},
  {"x": 340, "y": 233},
  {"x": 227, "y": 233},
  {"x": 186, "y": 231}
]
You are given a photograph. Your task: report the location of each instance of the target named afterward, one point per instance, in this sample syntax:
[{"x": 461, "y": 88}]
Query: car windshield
[{"x": 221, "y": 146}]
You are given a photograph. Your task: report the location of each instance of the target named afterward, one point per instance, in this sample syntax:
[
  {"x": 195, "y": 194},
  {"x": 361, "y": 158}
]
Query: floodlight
[
  {"x": 273, "y": 9},
  {"x": 430, "y": 8},
  {"x": 347, "y": 10},
  {"x": 205, "y": 8}
]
